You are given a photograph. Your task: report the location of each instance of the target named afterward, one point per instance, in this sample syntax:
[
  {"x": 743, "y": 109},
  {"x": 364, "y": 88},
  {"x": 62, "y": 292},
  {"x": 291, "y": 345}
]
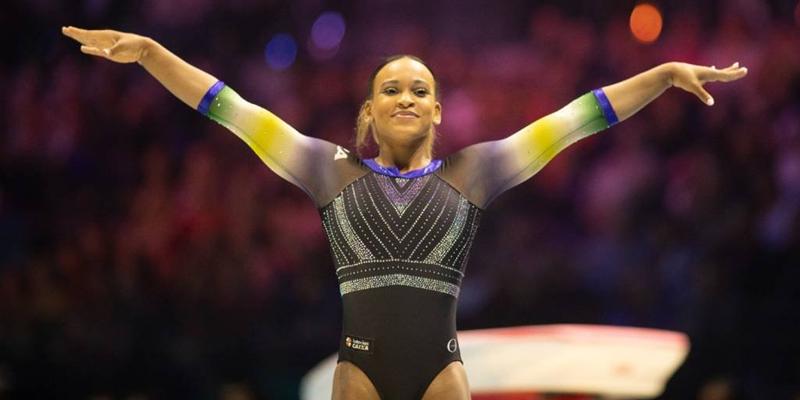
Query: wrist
[
  {"x": 148, "y": 47},
  {"x": 668, "y": 73}
]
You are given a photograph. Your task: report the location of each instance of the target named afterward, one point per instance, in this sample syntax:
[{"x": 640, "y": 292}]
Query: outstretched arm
[
  {"x": 302, "y": 160},
  {"x": 496, "y": 166}
]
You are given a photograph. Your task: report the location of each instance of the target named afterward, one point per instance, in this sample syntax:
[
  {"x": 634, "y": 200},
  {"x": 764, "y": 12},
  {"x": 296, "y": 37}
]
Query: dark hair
[{"x": 362, "y": 124}]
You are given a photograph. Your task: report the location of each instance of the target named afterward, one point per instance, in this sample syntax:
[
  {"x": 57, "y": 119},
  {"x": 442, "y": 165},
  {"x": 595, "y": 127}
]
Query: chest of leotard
[{"x": 400, "y": 232}]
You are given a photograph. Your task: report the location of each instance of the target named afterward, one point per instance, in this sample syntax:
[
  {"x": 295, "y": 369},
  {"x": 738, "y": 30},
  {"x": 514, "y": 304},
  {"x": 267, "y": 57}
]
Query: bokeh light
[
  {"x": 646, "y": 23},
  {"x": 328, "y": 30},
  {"x": 326, "y": 36},
  {"x": 281, "y": 51}
]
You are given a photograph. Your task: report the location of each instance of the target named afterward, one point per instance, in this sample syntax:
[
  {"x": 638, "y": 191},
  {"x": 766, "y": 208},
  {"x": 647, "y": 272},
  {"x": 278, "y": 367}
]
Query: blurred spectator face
[{"x": 403, "y": 108}]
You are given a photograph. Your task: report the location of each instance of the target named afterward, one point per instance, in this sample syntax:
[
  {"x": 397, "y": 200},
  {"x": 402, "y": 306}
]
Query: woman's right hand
[{"x": 116, "y": 46}]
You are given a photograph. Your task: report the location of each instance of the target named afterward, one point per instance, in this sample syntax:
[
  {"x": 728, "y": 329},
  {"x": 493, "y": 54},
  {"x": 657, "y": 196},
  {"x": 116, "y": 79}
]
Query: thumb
[
  {"x": 703, "y": 95},
  {"x": 94, "y": 51}
]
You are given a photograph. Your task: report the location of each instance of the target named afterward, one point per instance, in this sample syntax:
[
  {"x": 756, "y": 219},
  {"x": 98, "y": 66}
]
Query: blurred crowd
[{"x": 147, "y": 253}]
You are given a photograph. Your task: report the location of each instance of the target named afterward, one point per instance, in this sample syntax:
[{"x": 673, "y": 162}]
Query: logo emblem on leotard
[
  {"x": 452, "y": 345},
  {"x": 340, "y": 153},
  {"x": 357, "y": 343}
]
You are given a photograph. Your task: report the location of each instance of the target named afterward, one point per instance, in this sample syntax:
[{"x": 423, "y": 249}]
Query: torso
[{"x": 400, "y": 246}]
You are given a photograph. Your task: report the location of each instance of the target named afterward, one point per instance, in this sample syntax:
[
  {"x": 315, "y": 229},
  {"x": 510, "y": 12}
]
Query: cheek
[
  {"x": 382, "y": 109},
  {"x": 429, "y": 107}
]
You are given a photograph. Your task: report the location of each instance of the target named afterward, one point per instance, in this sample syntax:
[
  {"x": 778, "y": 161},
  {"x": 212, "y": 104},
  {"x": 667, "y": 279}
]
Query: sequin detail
[
  {"x": 400, "y": 191},
  {"x": 398, "y": 267},
  {"x": 349, "y": 234},
  {"x": 452, "y": 234},
  {"x": 391, "y": 231},
  {"x": 379, "y": 281},
  {"x": 397, "y": 260}
]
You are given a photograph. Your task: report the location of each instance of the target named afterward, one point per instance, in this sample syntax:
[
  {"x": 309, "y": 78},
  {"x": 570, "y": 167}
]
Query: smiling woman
[
  {"x": 408, "y": 78},
  {"x": 400, "y": 226}
]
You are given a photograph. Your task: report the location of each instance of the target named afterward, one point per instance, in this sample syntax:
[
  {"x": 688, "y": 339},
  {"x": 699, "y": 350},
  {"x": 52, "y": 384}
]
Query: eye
[
  {"x": 421, "y": 92},
  {"x": 390, "y": 90}
]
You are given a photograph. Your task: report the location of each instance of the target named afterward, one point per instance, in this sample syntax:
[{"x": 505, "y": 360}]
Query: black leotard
[{"x": 400, "y": 245}]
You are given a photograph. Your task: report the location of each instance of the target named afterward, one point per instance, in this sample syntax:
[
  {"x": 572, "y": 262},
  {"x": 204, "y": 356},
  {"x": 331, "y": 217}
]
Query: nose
[{"x": 405, "y": 100}]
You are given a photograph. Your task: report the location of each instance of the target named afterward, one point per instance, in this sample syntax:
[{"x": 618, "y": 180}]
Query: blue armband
[
  {"x": 205, "y": 104},
  {"x": 605, "y": 106}
]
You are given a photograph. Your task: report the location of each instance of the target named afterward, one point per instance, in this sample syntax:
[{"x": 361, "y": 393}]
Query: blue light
[
  {"x": 281, "y": 51},
  {"x": 328, "y": 30}
]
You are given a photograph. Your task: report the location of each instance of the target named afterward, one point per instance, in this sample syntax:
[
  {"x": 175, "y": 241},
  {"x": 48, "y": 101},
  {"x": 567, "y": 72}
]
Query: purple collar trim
[{"x": 393, "y": 171}]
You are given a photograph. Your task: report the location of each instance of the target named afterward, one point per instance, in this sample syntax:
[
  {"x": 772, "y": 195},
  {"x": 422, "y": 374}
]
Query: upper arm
[
  {"x": 496, "y": 166},
  {"x": 304, "y": 161}
]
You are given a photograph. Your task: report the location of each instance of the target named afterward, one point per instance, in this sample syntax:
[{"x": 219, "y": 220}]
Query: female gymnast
[{"x": 400, "y": 225}]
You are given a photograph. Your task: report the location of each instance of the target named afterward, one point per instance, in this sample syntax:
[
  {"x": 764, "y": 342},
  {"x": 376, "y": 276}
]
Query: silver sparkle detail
[
  {"x": 435, "y": 223},
  {"x": 468, "y": 244},
  {"x": 401, "y": 201},
  {"x": 444, "y": 245},
  {"x": 350, "y": 235},
  {"x": 339, "y": 255},
  {"x": 372, "y": 282},
  {"x": 413, "y": 224},
  {"x": 397, "y": 267},
  {"x": 398, "y": 260}
]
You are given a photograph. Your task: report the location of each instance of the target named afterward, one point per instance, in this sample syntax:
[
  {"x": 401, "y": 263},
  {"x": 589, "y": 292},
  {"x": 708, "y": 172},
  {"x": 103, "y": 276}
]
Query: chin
[{"x": 406, "y": 135}]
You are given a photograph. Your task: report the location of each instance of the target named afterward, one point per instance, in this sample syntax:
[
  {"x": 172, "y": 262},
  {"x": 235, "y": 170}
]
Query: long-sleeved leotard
[{"x": 400, "y": 241}]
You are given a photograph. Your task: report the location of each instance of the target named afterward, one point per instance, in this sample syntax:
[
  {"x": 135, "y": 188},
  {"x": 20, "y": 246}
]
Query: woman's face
[{"x": 403, "y": 106}]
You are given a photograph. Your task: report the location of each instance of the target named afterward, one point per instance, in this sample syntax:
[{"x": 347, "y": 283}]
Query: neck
[{"x": 404, "y": 158}]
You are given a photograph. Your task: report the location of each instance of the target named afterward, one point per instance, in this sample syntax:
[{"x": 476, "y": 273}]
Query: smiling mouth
[{"x": 405, "y": 114}]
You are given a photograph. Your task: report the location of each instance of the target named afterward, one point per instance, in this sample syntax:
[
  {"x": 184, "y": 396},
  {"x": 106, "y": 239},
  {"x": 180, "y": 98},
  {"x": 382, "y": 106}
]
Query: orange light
[{"x": 646, "y": 23}]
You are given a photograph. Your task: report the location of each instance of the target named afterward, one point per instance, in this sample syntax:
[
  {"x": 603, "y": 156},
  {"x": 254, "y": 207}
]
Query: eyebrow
[{"x": 395, "y": 81}]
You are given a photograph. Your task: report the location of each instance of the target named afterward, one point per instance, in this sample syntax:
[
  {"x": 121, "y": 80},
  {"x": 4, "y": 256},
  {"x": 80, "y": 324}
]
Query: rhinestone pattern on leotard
[{"x": 391, "y": 231}]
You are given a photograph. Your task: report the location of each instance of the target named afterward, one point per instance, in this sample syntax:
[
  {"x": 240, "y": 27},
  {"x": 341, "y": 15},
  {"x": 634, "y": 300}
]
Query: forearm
[
  {"x": 631, "y": 95},
  {"x": 185, "y": 81}
]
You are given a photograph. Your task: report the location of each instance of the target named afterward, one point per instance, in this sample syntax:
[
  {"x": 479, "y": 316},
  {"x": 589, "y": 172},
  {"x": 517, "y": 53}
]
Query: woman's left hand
[{"x": 691, "y": 78}]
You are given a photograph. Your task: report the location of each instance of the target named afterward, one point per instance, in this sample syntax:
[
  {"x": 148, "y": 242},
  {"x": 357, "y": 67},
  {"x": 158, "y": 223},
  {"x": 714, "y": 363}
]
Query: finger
[
  {"x": 726, "y": 75},
  {"x": 703, "y": 95},
  {"x": 71, "y": 32},
  {"x": 732, "y": 66},
  {"x": 734, "y": 74},
  {"x": 81, "y": 35},
  {"x": 95, "y": 51},
  {"x": 96, "y": 38}
]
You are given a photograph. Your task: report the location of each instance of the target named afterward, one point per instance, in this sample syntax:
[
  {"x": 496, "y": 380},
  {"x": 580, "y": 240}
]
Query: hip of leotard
[{"x": 398, "y": 324}]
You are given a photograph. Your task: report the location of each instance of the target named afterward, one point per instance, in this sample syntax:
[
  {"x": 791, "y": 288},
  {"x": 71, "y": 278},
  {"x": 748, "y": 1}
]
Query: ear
[
  {"x": 368, "y": 110},
  {"x": 437, "y": 114},
  {"x": 370, "y": 121}
]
